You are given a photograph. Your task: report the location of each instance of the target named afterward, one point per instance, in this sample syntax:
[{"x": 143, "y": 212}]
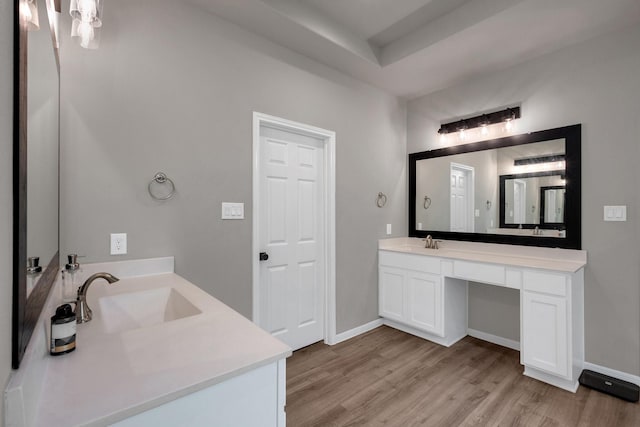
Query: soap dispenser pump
[{"x": 71, "y": 278}]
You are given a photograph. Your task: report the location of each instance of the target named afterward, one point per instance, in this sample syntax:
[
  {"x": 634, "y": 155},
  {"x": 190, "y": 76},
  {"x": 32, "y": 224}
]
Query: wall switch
[
  {"x": 477, "y": 213},
  {"x": 388, "y": 229},
  {"x": 118, "y": 243},
  {"x": 232, "y": 210},
  {"x": 615, "y": 213}
]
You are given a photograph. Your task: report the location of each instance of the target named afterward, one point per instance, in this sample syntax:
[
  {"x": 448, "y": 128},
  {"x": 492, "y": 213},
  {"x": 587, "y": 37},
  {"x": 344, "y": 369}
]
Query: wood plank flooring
[{"x": 386, "y": 377}]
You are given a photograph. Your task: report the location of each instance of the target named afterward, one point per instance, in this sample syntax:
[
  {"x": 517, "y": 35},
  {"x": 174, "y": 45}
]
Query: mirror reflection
[
  {"x": 532, "y": 200},
  {"x": 507, "y": 190},
  {"x": 42, "y": 148}
]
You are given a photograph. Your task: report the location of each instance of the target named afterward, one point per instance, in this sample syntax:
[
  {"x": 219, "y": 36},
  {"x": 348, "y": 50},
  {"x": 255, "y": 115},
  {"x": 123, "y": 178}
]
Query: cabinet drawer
[
  {"x": 548, "y": 283},
  {"x": 422, "y": 263},
  {"x": 479, "y": 272}
]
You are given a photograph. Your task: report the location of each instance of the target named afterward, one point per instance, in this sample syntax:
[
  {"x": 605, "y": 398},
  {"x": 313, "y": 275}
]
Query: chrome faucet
[
  {"x": 83, "y": 312},
  {"x": 429, "y": 243}
]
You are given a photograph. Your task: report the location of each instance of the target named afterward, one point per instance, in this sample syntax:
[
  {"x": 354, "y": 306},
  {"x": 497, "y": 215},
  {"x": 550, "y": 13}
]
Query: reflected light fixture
[
  {"x": 558, "y": 159},
  {"x": 482, "y": 121},
  {"x": 462, "y": 128},
  {"x": 87, "y": 21},
  {"x": 29, "y": 14},
  {"x": 484, "y": 125}
]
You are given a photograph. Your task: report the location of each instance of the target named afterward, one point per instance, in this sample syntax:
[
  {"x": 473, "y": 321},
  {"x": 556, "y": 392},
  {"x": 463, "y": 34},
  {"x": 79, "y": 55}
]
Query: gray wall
[
  {"x": 172, "y": 88},
  {"x": 6, "y": 194},
  {"x": 595, "y": 83}
]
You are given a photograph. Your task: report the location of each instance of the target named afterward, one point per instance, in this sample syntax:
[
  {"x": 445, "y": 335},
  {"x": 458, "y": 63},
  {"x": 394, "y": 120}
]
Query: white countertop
[
  {"x": 565, "y": 260},
  {"x": 110, "y": 377}
]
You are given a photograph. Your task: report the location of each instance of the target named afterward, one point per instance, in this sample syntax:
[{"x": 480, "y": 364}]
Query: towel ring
[
  {"x": 382, "y": 199},
  {"x": 427, "y": 202},
  {"x": 161, "y": 178}
]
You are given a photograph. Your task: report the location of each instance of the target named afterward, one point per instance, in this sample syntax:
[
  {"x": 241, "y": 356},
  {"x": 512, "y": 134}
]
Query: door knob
[{"x": 264, "y": 256}]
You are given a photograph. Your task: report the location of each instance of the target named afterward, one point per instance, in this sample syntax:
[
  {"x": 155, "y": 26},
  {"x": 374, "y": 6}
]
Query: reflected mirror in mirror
[
  {"x": 552, "y": 205},
  {"x": 521, "y": 189},
  {"x": 533, "y": 200}
]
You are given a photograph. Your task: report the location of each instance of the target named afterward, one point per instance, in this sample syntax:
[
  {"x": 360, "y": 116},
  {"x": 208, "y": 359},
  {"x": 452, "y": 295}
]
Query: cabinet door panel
[
  {"x": 544, "y": 321},
  {"x": 391, "y": 297},
  {"x": 424, "y": 302}
]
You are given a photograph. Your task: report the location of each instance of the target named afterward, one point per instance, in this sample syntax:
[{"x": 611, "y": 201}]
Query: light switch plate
[
  {"x": 232, "y": 210},
  {"x": 615, "y": 213},
  {"x": 388, "y": 229}
]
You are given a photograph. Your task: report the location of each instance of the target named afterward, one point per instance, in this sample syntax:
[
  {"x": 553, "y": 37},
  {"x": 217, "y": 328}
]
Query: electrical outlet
[{"x": 118, "y": 243}]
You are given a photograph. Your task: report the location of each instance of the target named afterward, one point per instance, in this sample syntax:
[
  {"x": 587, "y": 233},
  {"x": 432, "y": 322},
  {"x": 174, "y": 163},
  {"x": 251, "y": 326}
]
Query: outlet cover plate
[{"x": 118, "y": 243}]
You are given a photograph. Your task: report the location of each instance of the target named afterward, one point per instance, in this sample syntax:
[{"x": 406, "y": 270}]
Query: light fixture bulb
[
  {"x": 508, "y": 126},
  {"x": 25, "y": 11},
  {"x": 484, "y": 130},
  {"x": 86, "y": 33},
  {"x": 462, "y": 134}
]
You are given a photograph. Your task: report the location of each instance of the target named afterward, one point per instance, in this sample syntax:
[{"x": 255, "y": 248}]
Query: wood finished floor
[{"x": 386, "y": 377}]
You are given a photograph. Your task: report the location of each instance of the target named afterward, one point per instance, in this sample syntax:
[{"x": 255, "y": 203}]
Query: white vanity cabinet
[
  {"x": 544, "y": 327},
  {"x": 411, "y": 293},
  {"x": 424, "y": 292}
]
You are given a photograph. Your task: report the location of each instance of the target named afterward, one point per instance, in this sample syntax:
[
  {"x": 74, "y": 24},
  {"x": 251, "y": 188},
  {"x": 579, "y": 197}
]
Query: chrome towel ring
[
  {"x": 382, "y": 199},
  {"x": 161, "y": 178}
]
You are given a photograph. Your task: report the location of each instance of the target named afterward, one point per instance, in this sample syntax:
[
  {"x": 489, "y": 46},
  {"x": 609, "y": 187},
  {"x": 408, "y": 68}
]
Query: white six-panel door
[
  {"x": 292, "y": 235},
  {"x": 462, "y": 189}
]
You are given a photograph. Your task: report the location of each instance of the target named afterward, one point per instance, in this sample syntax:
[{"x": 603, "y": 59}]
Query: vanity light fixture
[
  {"x": 482, "y": 121},
  {"x": 551, "y": 158},
  {"x": 29, "y": 14},
  {"x": 87, "y": 21}
]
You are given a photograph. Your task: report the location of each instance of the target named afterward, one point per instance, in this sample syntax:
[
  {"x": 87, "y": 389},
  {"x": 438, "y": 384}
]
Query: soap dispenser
[
  {"x": 63, "y": 331},
  {"x": 72, "y": 278}
]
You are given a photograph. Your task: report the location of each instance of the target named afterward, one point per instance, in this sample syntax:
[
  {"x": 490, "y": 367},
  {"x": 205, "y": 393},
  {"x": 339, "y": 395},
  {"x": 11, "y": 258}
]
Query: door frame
[
  {"x": 470, "y": 194},
  {"x": 329, "y": 139}
]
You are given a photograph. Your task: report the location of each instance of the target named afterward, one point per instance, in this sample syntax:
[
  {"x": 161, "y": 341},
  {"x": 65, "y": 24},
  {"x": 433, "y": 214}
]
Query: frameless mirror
[
  {"x": 36, "y": 161},
  {"x": 521, "y": 189}
]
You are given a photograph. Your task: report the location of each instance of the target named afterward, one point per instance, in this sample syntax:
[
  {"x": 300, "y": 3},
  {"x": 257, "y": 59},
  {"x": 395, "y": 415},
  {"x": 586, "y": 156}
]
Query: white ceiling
[{"x": 413, "y": 47}]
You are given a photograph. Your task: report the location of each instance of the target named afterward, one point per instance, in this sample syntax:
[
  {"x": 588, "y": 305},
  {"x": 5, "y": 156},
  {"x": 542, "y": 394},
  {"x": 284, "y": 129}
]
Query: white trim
[
  {"x": 329, "y": 138},
  {"x": 612, "y": 373},
  {"x": 504, "y": 342},
  {"x": 352, "y": 333}
]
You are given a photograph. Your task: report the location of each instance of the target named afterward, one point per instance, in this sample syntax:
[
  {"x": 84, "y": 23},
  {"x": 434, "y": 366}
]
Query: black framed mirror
[
  {"x": 36, "y": 137},
  {"x": 493, "y": 191},
  {"x": 530, "y": 200}
]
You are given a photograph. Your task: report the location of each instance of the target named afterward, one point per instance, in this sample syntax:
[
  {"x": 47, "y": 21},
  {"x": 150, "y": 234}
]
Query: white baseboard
[
  {"x": 612, "y": 373},
  {"x": 514, "y": 345},
  {"x": 343, "y": 336}
]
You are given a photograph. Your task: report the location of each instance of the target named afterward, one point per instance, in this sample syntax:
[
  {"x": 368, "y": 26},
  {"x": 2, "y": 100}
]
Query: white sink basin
[{"x": 136, "y": 310}]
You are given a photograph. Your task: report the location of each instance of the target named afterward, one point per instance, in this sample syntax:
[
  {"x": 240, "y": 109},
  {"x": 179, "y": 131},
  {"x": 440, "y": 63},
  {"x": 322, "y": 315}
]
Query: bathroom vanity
[
  {"x": 159, "y": 351},
  {"x": 424, "y": 292}
]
